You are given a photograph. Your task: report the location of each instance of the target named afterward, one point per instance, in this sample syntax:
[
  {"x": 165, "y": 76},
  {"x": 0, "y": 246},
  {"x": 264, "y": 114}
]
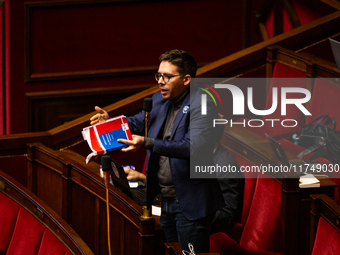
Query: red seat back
[
  {"x": 304, "y": 13},
  {"x": 249, "y": 187},
  {"x": 8, "y": 216},
  {"x": 327, "y": 240},
  {"x": 280, "y": 72},
  {"x": 325, "y": 100},
  {"x": 263, "y": 228},
  {"x": 21, "y": 233}
]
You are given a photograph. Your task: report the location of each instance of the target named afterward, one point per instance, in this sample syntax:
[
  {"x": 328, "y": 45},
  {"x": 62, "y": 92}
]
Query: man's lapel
[
  {"x": 183, "y": 111},
  {"x": 159, "y": 121}
]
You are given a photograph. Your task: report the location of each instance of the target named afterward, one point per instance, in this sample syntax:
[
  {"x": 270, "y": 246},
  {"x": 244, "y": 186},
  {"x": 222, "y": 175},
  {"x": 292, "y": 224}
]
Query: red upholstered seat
[
  {"x": 263, "y": 227},
  {"x": 292, "y": 112},
  {"x": 327, "y": 241},
  {"x": 51, "y": 245},
  {"x": 249, "y": 188},
  {"x": 224, "y": 245},
  {"x": 235, "y": 231},
  {"x": 31, "y": 237},
  {"x": 27, "y": 235},
  {"x": 8, "y": 216},
  {"x": 262, "y": 231},
  {"x": 305, "y": 15},
  {"x": 325, "y": 100},
  {"x": 21, "y": 233}
]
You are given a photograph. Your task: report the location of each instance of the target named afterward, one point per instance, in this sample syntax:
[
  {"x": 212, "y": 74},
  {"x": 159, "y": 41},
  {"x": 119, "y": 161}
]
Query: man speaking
[{"x": 177, "y": 132}]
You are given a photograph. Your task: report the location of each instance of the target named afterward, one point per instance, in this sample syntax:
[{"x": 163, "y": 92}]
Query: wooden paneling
[
  {"x": 47, "y": 110},
  {"x": 49, "y": 188},
  {"x": 80, "y": 44},
  {"x": 60, "y": 55},
  {"x": 101, "y": 38},
  {"x": 85, "y": 214}
]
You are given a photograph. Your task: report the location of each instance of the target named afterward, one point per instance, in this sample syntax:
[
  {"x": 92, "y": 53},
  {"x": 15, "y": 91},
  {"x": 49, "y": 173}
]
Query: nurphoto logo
[{"x": 281, "y": 98}]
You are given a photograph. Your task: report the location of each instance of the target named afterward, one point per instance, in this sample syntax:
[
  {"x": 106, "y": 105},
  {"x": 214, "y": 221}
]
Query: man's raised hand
[{"x": 101, "y": 116}]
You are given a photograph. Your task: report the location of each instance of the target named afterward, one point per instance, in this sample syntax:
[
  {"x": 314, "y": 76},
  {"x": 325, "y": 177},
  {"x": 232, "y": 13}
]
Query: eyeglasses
[{"x": 166, "y": 77}]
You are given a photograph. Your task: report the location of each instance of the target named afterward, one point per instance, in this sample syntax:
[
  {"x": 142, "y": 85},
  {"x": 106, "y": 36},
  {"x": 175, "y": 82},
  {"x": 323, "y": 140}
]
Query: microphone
[
  {"x": 106, "y": 163},
  {"x": 147, "y": 107}
]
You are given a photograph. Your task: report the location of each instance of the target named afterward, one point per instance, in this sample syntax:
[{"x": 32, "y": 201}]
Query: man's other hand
[
  {"x": 101, "y": 116},
  {"x": 134, "y": 145}
]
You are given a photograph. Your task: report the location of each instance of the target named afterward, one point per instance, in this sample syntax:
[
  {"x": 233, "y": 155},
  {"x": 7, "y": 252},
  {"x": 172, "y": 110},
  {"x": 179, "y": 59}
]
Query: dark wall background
[{"x": 60, "y": 46}]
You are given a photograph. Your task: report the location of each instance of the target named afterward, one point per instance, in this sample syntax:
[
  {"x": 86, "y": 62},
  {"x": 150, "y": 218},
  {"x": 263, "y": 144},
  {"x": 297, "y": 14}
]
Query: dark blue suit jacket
[{"x": 191, "y": 139}]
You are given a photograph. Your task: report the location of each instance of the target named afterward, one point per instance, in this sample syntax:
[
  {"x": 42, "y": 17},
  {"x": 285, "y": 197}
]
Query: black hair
[{"x": 185, "y": 63}]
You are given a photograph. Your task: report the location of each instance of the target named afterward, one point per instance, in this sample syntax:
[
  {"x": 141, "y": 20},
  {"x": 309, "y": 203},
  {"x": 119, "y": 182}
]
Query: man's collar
[{"x": 178, "y": 100}]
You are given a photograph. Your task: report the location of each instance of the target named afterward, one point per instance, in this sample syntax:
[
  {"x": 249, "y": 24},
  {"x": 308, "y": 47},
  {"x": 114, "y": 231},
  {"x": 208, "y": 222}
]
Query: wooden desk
[{"x": 76, "y": 192}]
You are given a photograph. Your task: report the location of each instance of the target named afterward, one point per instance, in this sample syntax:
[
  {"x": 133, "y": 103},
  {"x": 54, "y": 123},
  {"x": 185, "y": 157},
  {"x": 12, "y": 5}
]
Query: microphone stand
[
  {"x": 107, "y": 180},
  {"x": 146, "y": 212},
  {"x": 147, "y": 115},
  {"x": 106, "y": 173}
]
